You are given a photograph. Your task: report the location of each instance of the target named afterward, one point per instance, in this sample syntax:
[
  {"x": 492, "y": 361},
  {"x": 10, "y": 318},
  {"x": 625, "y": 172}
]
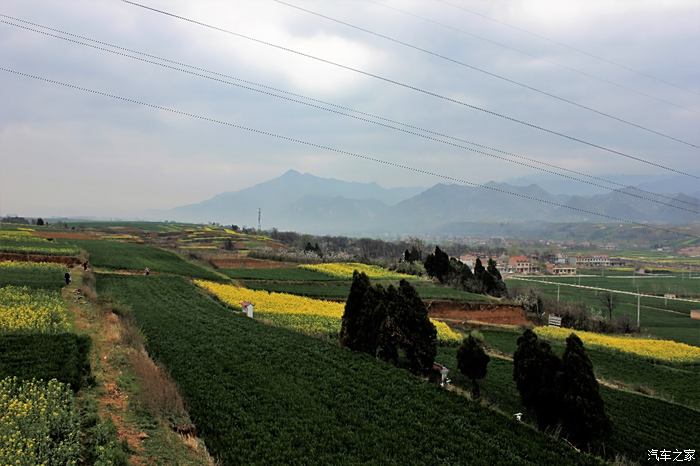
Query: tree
[
  {"x": 438, "y": 265},
  {"x": 382, "y": 321},
  {"x": 40, "y": 221},
  {"x": 356, "y": 330},
  {"x": 582, "y": 413},
  {"x": 535, "y": 371},
  {"x": 497, "y": 285},
  {"x": 472, "y": 361},
  {"x": 228, "y": 245},
  {"x": 417, "y": 335},
  {"x": 413, "y": 255},
  {"x": 609, "y": 301}
]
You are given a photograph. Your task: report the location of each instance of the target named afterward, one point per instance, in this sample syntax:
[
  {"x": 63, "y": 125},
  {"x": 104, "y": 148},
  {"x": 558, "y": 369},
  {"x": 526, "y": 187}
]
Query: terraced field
[
  {"x": 136, "y": 257},
  {"x": 339, "y": 289},
  {"x": 261, "y": 394},
  {"x": 35, "y": 275}
]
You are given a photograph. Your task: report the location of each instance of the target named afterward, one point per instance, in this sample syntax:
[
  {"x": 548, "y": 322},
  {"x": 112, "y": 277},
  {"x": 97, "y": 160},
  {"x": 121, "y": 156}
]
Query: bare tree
[{"x": 609, "y": 300}]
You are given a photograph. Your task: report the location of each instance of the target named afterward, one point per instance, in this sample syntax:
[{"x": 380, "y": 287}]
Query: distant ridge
[{"x": 308, "y": 203}]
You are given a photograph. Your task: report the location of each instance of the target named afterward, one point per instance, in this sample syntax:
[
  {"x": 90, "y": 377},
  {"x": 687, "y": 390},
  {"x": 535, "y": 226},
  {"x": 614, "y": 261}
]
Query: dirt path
[
  {"x": 103, "y": 328},
  {"x": 111, "y": 366}
]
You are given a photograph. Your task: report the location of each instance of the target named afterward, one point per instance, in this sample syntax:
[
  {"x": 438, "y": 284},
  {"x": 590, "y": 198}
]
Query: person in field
[
  {"x": 67, "y": 277},
  {"x": 147, "y": 271},
  {"x": 85, "y": 266}
]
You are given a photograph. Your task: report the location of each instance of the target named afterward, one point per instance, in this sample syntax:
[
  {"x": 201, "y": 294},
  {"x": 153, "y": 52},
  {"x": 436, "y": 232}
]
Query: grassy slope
[
  {"x": 676, "y": 382},
  {"x": 639, "y": 423},
  {"x": 133, "y": 256},
  {"x": 266, "y": 395}
]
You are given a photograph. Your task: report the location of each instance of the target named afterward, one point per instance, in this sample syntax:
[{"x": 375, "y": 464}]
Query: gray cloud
[{"x": 64, "y": 152}]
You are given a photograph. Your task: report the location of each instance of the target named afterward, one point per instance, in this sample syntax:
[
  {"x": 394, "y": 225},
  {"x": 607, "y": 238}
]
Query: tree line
[{"x": 484, "y": 280}]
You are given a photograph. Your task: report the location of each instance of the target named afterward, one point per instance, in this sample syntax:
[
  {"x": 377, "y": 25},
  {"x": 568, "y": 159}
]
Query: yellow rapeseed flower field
[
  {"x": 39, "y": 423},
  {"x": 298, "y": 312},
  {"x": 24, "y": 265},
  {"x": 665, "y": 350},
  {"x": 345, "y": 270},
  {"x": 25, "y": 310}
]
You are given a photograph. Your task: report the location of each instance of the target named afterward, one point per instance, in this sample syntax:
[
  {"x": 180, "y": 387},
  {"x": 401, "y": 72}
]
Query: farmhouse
[
  {"x": 522, "y": 264},
  {"x": 561, "y": 269},
  {"x": 601, "y": 260}
]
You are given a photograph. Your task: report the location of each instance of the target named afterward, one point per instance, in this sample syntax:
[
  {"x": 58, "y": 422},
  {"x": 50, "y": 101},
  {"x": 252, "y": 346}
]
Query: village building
[
  {"x": 561, "y": 269},
  {"x": 601, "y": 260},
  {"x": 522, "y": 265}
]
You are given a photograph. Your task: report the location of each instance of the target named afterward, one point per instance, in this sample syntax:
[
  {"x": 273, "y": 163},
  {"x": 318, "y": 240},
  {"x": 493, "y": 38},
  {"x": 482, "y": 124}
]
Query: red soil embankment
[
  {"x": 482, "y": 312},
  {"x": 247, "y": 263}
]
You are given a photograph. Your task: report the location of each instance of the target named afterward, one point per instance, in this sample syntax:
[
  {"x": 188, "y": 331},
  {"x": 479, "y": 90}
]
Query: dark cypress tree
[
  {"x": 472, "y": 362},
  {"x": 437, "y": 265},
  {"x": 493, "y": 270},
  {"x": 535, "y": 371},
  {"x": 40, "y": 221},
  {"x": 479, "y": 269},
  {"x": 355, "y": 329},
  {"x": 497, "y": 285},
  {"x": 415, "y": 254},
  {"x": 418, "y": 337},
  {"x": 582, "y": 412}
]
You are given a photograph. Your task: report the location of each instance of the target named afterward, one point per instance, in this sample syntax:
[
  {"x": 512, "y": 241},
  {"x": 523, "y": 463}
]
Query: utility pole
[
  {"x": 259, "y": 216},
  {"x": 558, "y": 286},
  {"x": 638, "y": 313}
]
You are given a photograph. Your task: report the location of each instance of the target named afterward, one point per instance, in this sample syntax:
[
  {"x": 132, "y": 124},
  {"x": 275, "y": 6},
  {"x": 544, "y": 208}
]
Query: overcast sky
[{"x": 65, "y": 152}]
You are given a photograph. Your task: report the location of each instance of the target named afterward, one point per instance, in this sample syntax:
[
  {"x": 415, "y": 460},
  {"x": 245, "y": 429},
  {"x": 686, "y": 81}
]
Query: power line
[
  {"x": 488, "y": 73},
  {"x": 531, "y": 55},
  {"x": 354, "y": 113},
  {"x": 570, "y": 47},
  {"x": 418, "y": 89},
  {"x": 341, "y": 151}
]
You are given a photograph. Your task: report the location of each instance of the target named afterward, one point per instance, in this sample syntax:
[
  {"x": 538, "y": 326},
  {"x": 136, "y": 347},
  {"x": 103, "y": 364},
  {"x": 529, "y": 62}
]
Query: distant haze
[{"x": 63, "y": 152}]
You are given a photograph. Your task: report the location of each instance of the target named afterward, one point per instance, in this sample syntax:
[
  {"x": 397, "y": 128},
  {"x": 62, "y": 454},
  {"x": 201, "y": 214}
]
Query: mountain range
[{"x": 311, "y": 204}]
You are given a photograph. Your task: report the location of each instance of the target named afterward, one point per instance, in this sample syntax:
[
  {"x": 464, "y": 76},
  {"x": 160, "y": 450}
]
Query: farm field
[
  {"x": 31, "y": 274},
  {"x": 136, "y": 257},
  {"x": 339, "y": 289},
  {"x": 27, "y": 434},
  {"x": 670, "y": 321},
  {"x": 24, "y": 242},
  {"x": 638, "y": 421},
  {"x": 672, "y": 283},
  {"x": 307, "y": 400},
  {"x": 278, "y": 274}
]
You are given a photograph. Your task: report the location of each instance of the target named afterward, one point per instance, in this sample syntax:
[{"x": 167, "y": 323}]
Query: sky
[{"x": 68, "y": 152}]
